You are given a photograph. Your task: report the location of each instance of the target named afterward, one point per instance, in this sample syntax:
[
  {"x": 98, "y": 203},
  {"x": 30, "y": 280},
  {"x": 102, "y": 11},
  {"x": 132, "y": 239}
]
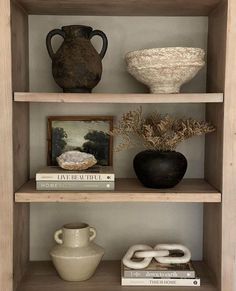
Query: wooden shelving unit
[
  {"x": 120, "y": 7},
  {"x": 217, "y": 270},
  {"x": 118, "y": 98},
  {"x": 127, "y": 190},
  {"x": 41, "y": 276}
]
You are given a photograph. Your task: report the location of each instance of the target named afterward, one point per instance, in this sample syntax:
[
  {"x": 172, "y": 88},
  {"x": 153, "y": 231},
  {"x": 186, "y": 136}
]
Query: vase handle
[
  {"x": 93, "y": 233},
  {"x": 105, "y": 41},
  {"x": 49, "y": 39},
  {"x": 57, "y": 237}
]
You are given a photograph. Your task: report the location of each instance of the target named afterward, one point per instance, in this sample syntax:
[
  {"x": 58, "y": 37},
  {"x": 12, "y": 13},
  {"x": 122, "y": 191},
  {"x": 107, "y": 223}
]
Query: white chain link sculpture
[{"x": 160, "y": 253}]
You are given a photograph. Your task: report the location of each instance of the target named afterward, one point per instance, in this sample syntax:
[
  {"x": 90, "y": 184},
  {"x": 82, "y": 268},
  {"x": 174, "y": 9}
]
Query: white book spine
[
  {"x": 160, "y": 282},
  {"x": 75, "y": 177}
]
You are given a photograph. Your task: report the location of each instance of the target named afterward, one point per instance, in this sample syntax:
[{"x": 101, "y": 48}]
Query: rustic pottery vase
[
  {"x": 76, "y": 256},
  {"x": 157, "y": 169},
  {"x": 76, "y": 66}
]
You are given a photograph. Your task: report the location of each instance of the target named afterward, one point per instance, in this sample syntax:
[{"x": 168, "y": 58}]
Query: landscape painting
[{"x": 90, "y": 134}]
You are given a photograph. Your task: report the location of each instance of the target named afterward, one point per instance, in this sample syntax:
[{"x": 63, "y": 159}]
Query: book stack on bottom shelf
[
  {"x": 98, "y": 178},
  {"x": 157, "y": 274}
]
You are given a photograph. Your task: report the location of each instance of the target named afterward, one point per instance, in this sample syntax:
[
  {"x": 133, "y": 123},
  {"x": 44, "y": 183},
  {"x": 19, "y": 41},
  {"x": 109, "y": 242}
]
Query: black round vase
[{"x": 159, "y": 169}]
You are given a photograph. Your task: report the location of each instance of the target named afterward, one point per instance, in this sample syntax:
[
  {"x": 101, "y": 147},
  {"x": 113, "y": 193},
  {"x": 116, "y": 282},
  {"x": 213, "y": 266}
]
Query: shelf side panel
[
  {"x": 229, "y": 154},
  {"x": 215, "y": 81},
  {"x": 20, "y": 138},
  {"x": 6, "y": 161},
  {"x": 214, "y": 151}
]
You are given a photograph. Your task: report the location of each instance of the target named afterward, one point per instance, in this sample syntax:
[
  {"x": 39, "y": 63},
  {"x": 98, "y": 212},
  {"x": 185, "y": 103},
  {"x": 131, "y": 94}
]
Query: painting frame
[{"x": 91, "y": 118}]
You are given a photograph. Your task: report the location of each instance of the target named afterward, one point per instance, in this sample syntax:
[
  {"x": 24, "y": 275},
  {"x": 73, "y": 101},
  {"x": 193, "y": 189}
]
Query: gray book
[
  {"x": 74, "y": 186},
  {"x": 157, "y": 270}
]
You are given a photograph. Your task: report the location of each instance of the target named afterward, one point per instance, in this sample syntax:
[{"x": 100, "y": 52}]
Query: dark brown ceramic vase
[{"x": 76, "y": 66}]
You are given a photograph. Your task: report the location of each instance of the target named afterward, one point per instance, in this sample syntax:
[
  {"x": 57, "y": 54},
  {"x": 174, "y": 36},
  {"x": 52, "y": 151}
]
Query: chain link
[{"x": 161, "y": 253}]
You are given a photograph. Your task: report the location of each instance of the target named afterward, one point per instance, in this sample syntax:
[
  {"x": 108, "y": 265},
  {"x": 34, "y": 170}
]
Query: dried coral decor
[
  {"x": 217, "y": 269},
  {"x": 159, "y": 166}
]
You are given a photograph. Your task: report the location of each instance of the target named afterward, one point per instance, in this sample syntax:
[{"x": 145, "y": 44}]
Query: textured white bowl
[{"x": 165, "y": 70}]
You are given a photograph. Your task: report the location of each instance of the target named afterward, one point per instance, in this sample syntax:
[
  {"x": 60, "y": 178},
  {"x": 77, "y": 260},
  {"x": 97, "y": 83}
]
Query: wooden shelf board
[
  {"x": 118, "y": 98},
  {"x": 127, "y": 190},
  {"x": 119, "y": 7},
  {"x": 41, "y": 276}
]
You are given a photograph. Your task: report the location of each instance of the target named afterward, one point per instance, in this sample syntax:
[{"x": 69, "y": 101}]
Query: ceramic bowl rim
[{"x": 154, "y": 52}]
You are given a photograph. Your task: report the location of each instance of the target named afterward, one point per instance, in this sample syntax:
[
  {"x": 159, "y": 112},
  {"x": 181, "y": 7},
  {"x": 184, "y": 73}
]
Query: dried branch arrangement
[{"x": 157, "y": 132}]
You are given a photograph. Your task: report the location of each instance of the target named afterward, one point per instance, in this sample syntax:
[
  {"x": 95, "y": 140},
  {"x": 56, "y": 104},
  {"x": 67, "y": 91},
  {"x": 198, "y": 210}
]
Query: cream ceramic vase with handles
[{"x": 76, "y": 256}]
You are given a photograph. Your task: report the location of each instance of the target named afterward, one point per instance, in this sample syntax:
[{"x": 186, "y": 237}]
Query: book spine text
[
  {"x": 75, "y": 177},
  {"x": 160, "y": 282},
  {"x": 76, "y": 186},
  {"x": 159, "y": 274}
]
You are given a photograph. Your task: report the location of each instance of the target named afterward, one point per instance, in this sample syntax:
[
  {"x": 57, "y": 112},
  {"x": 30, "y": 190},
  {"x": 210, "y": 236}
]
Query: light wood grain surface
[
  {"x": 6, "y": 146},
  {"x": 119, "y": 7},
  {"x": 20, "y": 77},
  {"x": 118, "y": 98},
  {"x": 43, "y": 277},
  {"x": 219, "y": 218},
  {"x": 229, "y": 158},
  {"x": 212, "y": 231},
  {"x": 127, "y": 190}
]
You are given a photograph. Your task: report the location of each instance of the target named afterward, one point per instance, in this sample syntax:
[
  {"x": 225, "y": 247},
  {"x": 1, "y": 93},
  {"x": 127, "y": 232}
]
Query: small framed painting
[{"x": 90, "y": 134}]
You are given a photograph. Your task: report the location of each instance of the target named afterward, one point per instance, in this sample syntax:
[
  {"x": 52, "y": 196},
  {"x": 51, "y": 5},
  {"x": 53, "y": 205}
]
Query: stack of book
[
  {"x": 97, "y": 178},
  {"x": 157, "y": 274}
]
